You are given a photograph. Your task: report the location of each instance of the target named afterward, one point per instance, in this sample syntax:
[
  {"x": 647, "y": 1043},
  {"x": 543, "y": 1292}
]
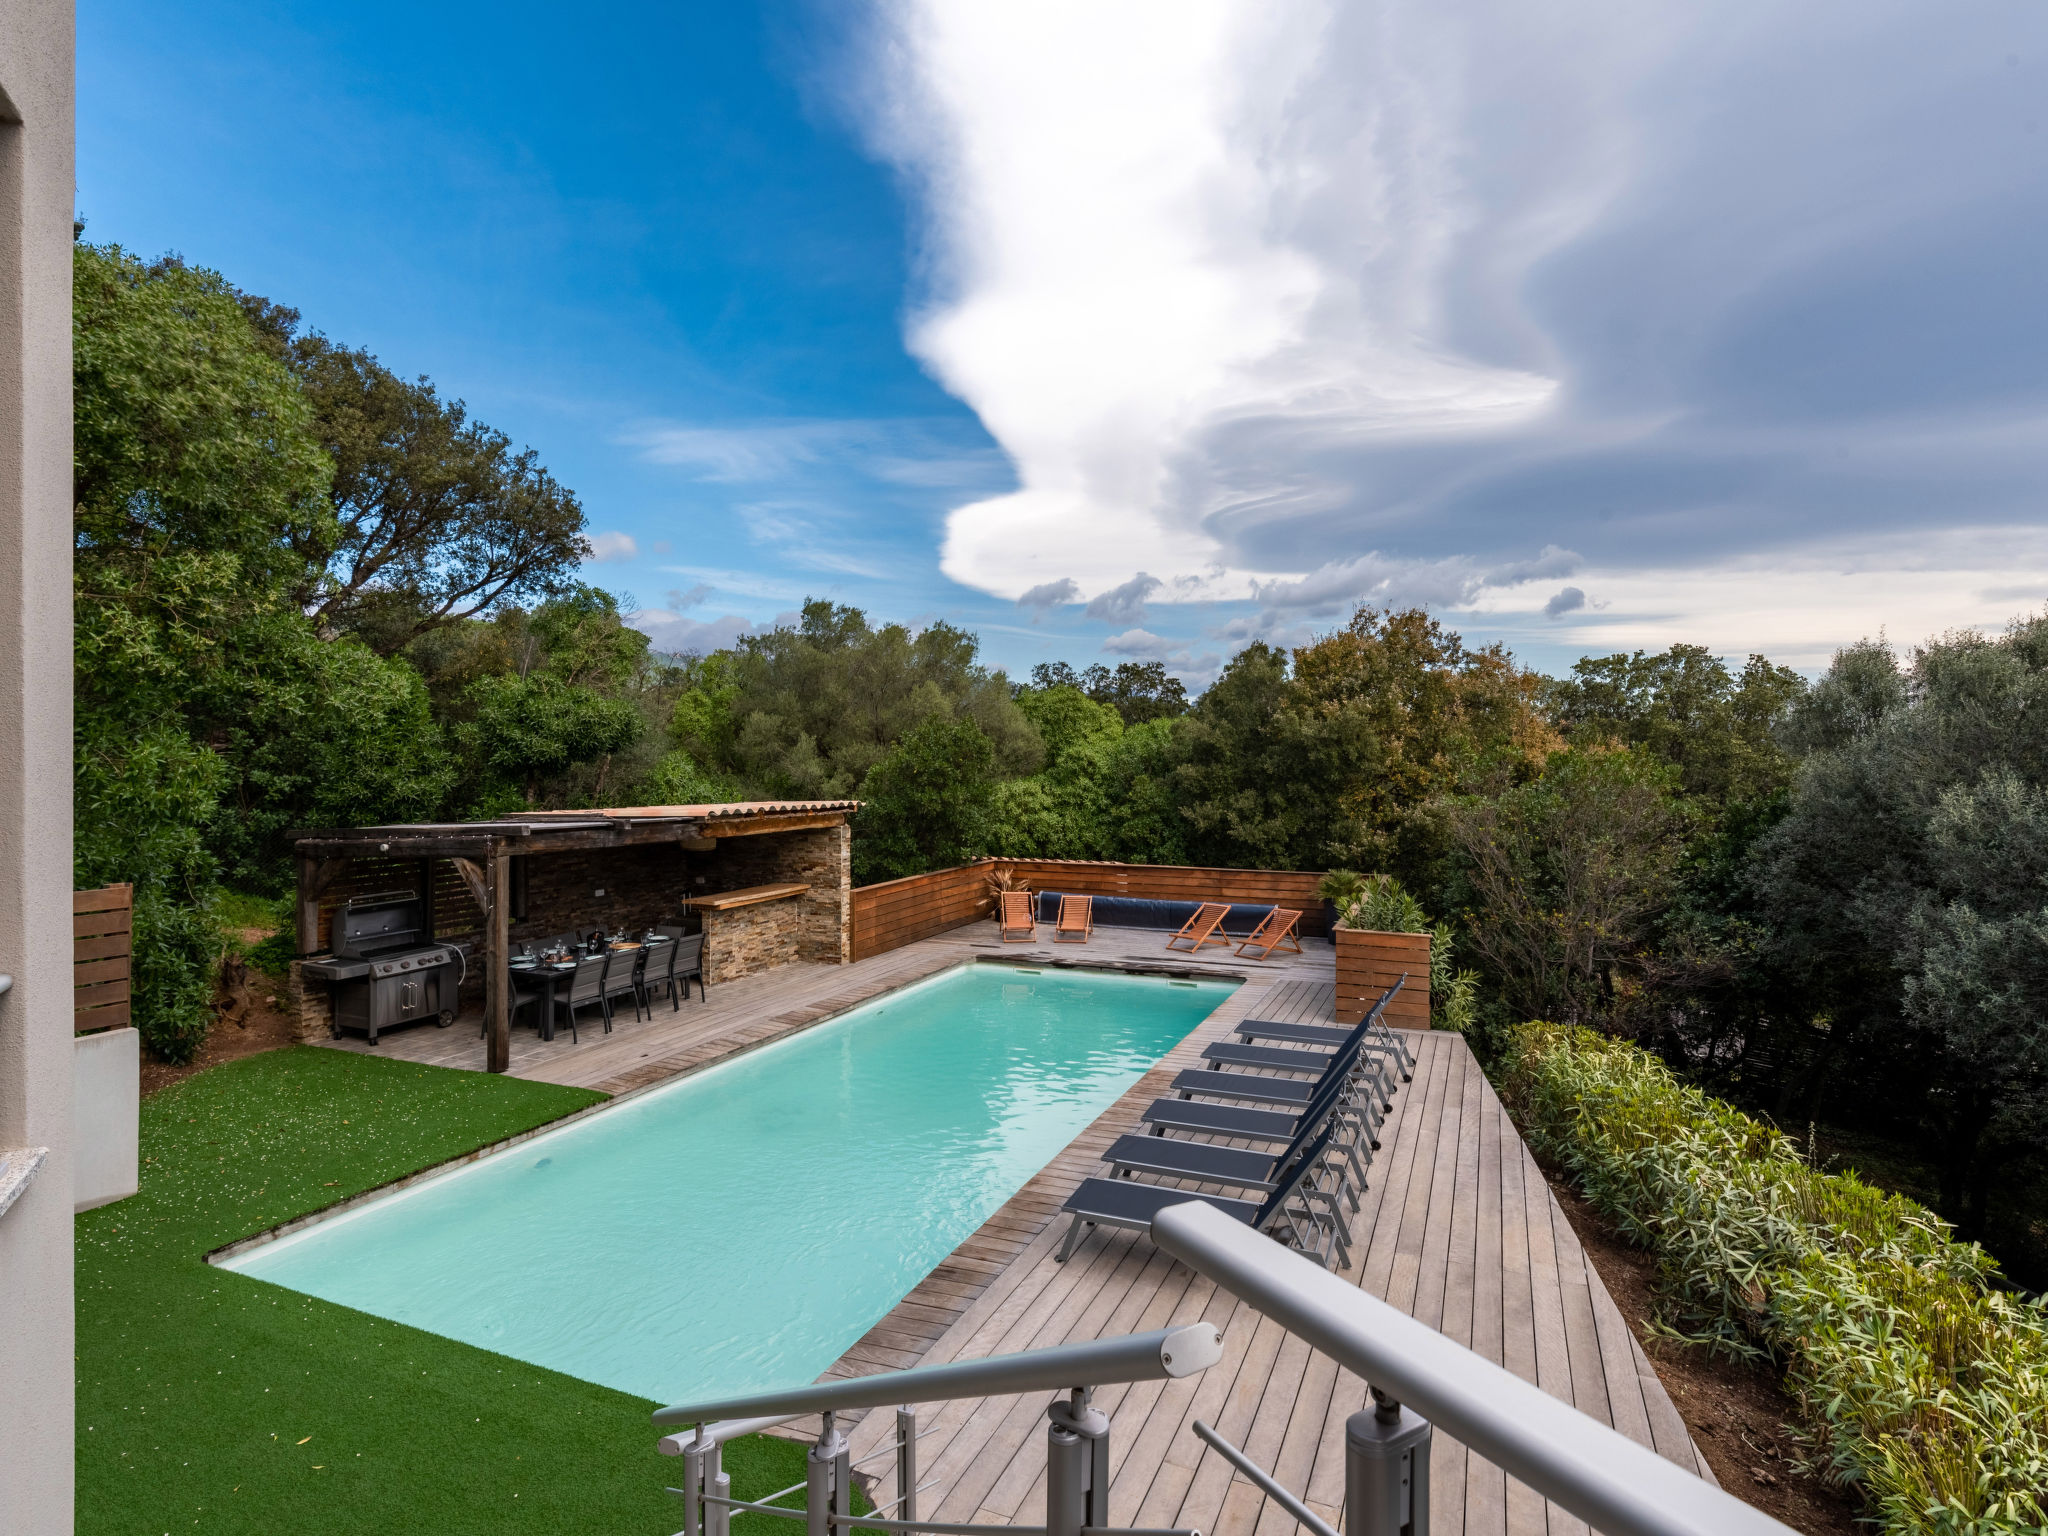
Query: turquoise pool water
[{"x": 744, "y": 1227}]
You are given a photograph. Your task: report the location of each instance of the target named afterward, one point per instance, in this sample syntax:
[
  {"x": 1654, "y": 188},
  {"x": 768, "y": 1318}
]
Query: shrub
[{"x": 1920, "y": 1382}]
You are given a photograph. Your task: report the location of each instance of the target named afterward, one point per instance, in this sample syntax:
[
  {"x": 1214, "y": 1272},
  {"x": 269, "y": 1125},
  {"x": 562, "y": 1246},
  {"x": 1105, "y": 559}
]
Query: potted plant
[
  {"x": 1338, "y": 889},
  {"x": 1382, "y": 934},
  {"x": 998, "y": 880}
]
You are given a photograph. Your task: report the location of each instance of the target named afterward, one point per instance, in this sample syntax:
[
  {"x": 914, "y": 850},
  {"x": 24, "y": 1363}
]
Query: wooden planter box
[{"x": 1368, "y": 963}]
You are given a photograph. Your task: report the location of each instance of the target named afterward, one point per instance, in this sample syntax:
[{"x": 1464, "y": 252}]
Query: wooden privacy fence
[
  {"x": 102, "y": 939},
  {"x": 898, "y": 912}
]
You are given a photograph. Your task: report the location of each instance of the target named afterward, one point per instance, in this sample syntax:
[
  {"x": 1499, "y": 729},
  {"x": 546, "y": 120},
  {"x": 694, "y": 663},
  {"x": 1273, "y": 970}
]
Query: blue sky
[{"x": 1151, "y": 330}]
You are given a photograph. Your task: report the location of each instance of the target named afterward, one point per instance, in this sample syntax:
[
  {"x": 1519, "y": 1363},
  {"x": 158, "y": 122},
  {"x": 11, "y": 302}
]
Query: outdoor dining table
[{"x": 546, "y": 975}]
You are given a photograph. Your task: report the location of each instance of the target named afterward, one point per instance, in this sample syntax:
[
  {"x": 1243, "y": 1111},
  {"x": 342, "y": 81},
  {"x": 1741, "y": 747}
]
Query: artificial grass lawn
[{"x": 211, "y": 1401}]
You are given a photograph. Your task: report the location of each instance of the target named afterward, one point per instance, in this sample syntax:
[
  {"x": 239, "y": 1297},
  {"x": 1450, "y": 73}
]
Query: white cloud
[
  {"x": 613, "y": 548},
  {"x": 1149, "y": 222},
  {"x": 1353, "y": 301},
  {"x": 1141, "y": 643}
]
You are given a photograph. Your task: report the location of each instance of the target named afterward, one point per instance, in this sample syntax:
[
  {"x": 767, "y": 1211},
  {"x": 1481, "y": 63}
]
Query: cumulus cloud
[
  {"x": 1567, "y": 600},
  {"x": 1141, "y": 643},
  {"x": 1125, "y": 602},
  {"x": 1280, "y": 301},
  {"x": 1050, "y": 594},
  {"x": 613, "y": 548}
]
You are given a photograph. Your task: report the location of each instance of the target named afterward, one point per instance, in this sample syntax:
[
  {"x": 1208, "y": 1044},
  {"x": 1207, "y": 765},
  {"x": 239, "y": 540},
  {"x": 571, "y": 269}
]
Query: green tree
[
  {"x": 808, "y": 709},
  {"x": 436, "y": 518},
  {"x": 1563, "y": 880},
  {"x": 926, "y": 802},
  {"x": 193, "y": 454},
  {"x": 1064, "y": 810},
  {"x": 546, "y": 729},
  {"x": 1137, "y": 690},
  {"x": 1902, "y": 890},
  {"x": 1720, "y": 731}
]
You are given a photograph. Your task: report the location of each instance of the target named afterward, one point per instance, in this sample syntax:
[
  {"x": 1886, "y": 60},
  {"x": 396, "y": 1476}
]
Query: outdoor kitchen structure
[{"x": 414, "y": 926}]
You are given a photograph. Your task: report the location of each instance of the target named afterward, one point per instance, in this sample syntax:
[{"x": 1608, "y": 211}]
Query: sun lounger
[
  {"x": 1076, "y": 920},
  {"x": 1277, "y": 929},
  {"x": 1234, "y": 1120},
  {"x": 1245, "y": 1168},
  {"x": 1201, "y": 930},
  {"x": 1276, "y": 1059},
  {"x": 1336, "y": 1035},
  {"x": 1018, "y": 924},
  {"x": 1127, "y": 1203}
]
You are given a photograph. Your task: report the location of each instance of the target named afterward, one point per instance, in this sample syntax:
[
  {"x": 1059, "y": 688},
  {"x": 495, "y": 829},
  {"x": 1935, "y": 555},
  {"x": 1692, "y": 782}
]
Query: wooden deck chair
[
  {"x": 1201, "y": 930},
  {"x": 1276, "y": 928},
  {"x": 1076, "y": 920},
  {"x": 1019, "y": 925}
]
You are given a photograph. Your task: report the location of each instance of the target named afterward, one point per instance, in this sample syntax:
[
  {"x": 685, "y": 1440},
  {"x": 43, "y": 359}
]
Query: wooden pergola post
[{"x": 497, "y": 955}]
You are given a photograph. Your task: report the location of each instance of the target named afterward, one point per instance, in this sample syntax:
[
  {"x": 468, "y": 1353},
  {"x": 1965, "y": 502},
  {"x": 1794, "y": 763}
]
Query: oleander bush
[{"x": 1921, "y": 1382}]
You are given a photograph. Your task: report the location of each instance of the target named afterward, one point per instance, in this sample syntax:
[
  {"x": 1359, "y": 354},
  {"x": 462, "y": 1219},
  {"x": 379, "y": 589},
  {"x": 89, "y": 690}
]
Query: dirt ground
[
  {"x": 249, "y": 1019},
  {"x": 1737, "y": 1413}
]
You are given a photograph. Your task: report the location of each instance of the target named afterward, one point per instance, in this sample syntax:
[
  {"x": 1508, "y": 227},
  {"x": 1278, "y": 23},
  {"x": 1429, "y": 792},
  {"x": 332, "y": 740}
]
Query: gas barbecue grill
[{"x": 384, "y": 970}]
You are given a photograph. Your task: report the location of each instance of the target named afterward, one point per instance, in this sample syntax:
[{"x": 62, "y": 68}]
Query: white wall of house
[{"x": 36, "y": 1390}]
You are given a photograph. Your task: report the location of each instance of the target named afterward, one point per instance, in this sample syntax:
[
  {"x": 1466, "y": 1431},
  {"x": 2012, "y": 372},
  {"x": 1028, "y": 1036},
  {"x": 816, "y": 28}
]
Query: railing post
[
  {"x": 1386, "y": 1471},
  {"x": 693, "y": 1486},
  {"x": 825, "y": 1478},
  {"x": 1076, "y": 1466},
  {"x": 906, "y": 1465},
  {"x": 718, "y": 1482}
]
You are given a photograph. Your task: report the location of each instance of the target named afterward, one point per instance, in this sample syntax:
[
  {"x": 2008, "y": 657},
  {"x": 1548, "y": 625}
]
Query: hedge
[{"x": 1921, "y": 1383}]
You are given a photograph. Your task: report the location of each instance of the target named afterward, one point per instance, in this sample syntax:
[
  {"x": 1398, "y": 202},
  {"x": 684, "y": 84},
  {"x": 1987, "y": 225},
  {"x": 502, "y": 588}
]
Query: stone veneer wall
[{"x": 309, "y": 1005}]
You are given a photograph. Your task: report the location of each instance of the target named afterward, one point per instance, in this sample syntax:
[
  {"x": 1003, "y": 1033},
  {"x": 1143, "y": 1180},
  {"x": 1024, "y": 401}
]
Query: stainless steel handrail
[
  {"x": 1154, "y": 1356},
  {"x": 1615, "y": 1485}
]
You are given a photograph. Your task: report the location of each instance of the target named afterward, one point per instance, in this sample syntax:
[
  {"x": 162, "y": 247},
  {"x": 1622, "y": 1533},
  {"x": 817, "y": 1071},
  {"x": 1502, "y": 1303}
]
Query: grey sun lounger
[
  {"x": 1127, "y": 1203},
  {"x": 1170, "y": 1157},
  {"x": 1221, "y": 1120},
  {"x": 1276, "y": 1059},
  {"x": 1258, "y": 1029},
  {"x": 1206, "y": 1119}
]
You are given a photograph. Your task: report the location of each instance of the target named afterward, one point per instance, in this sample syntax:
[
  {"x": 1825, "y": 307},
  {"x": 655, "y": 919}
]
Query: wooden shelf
[{"x": 747, "y": 896}]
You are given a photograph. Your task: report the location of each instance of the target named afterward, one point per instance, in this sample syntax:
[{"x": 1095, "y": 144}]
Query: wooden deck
[{"x": 1457, "y": 1228}]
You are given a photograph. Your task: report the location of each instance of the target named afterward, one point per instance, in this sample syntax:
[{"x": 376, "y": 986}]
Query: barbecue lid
[{"x": 370, "y": 924}]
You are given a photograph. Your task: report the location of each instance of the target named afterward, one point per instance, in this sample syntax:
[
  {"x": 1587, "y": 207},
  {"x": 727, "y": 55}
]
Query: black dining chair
[
  {"x": 658, "y": 973},
  {"x": 622, "y": 979},
  {"x": 586, "y": 987},
  {"x": 690, "y": 962}
]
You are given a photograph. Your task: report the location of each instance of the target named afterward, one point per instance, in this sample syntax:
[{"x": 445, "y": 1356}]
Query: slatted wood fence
[
  {"x": 898, "y": 912},
  {"x": 102, "y": 940}
]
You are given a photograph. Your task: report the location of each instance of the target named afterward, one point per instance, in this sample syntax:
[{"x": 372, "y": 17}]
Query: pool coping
[{"x": 838, "y": 1007}]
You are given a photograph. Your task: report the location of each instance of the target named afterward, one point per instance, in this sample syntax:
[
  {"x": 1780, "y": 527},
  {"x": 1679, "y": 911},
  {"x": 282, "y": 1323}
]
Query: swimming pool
[{"x": 740, "y": 1229}]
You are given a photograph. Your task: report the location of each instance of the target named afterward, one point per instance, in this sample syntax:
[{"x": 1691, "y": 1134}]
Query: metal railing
[{"x": 1417, "y": 1377}]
